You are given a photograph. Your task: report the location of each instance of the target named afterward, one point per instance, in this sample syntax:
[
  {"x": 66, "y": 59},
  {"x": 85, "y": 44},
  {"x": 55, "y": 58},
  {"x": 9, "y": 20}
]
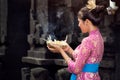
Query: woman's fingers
[{"x": 53, "y": 49}]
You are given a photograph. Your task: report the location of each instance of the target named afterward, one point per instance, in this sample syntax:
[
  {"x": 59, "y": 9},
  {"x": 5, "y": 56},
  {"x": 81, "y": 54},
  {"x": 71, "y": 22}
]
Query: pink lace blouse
[{"x": 89, "y": 51}]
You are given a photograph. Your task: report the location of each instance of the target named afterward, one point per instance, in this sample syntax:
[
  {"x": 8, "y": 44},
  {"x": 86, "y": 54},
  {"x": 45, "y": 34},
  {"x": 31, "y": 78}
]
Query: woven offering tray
[{"x": 56, "y": 42}]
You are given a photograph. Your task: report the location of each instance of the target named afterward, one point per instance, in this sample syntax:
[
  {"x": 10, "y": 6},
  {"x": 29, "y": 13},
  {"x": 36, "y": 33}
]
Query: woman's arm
[
  {"x": 83, "y": 54},
  {"x": 65, "y": 56},
  {"x": 58, "y": 49},
  {"x": 69, "y": 51}
]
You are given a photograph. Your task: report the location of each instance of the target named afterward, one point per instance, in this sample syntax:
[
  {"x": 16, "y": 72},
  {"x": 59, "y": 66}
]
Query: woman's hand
[
  {"x": 55, "y": 48},
  {"x": 66, "y": 48},
  {"x": 52, "y": 49}
]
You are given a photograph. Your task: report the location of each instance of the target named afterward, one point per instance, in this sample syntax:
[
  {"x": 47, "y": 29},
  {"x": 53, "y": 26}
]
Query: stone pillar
[
  {"x": 3, "y": 20},
  {"x": 42, "y": 14},
  {"x": 115, "y": 26},
  {"x": 38, "y": 22},
  {"x": 3, "y": 32}
]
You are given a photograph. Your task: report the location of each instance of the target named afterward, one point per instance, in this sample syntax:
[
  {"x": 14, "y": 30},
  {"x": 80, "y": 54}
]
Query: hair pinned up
[{"x": 92, "y": 12}]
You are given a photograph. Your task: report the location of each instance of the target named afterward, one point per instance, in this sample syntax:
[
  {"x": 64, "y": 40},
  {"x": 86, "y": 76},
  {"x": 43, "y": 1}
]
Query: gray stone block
[
  {"x": 40, "y": 74},
  {"x": 62, "y": 74},
  {"x": 25, "y": 73},
  {"x": 37, "y": 53}
]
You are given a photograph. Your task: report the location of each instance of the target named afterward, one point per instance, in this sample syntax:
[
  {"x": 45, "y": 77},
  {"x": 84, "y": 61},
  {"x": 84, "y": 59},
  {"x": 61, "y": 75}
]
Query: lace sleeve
[{"x": 83, "y": 54}]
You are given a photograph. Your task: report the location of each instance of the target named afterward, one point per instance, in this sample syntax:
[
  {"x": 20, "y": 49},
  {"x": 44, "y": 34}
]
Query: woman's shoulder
[{"x": 86, "y": 39}]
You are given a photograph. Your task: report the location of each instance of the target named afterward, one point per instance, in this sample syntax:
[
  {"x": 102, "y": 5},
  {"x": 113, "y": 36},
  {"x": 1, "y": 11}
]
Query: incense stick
[
  {"x": 66, "y": 38},
  {"x": 43, "y": 39}
]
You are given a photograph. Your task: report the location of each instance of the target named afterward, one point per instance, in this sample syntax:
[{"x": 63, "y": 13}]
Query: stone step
[{"x": 38, "y": 53}]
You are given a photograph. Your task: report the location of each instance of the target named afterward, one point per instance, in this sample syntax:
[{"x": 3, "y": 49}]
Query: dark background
[{"x": 16, "y": 41}]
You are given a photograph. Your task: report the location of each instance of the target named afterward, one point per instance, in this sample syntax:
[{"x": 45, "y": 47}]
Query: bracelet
[{"x": 67, "y": 60}]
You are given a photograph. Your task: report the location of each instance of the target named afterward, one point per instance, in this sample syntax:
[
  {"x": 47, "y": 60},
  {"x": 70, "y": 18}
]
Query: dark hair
[{"x": 94, "y": 15}]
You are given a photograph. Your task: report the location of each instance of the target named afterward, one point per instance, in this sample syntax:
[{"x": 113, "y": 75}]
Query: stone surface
[
  {"x": 42, "y": 61},
  {"x": 37, "y": 53},
  {"x": 40, "y": 74},
  {"x": 62, "y": 74},
  {"x": 25, "y": 73},
  {"x": 3, "y": 20}
]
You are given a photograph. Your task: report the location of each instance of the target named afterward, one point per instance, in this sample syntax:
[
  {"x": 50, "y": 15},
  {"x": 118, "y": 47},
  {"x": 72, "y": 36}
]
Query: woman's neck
[{"x": 92, "y": 28}]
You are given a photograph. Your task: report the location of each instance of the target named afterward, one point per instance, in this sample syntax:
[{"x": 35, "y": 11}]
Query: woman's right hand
[{"x": 66, "y": 48}]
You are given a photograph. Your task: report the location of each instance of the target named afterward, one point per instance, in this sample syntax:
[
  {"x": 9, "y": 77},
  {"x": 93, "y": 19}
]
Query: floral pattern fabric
[{"x": 89, "y": 51}]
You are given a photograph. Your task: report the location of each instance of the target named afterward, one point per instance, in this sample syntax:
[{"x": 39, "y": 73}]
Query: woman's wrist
[
  {"x": 67, "y": 60},
  {"x": 69, "y": 50}
]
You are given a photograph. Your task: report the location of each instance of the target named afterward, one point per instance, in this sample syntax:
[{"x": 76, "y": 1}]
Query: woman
[{"x": 87, "y": 56}]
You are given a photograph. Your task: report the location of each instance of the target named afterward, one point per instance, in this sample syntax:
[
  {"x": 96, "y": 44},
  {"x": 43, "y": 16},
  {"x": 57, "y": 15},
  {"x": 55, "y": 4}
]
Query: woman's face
[{"x": 82, "y": 26}]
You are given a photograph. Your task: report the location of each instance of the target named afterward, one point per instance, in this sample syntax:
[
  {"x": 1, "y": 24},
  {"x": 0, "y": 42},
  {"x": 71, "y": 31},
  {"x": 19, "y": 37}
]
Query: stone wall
[
  {"x": 3, "y": 33},
  {"x": 3, "y": 20}
]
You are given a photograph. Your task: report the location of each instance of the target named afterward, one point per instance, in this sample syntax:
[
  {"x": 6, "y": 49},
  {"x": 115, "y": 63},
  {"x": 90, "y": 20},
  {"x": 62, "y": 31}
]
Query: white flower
[{"x": 91, "y": 4}]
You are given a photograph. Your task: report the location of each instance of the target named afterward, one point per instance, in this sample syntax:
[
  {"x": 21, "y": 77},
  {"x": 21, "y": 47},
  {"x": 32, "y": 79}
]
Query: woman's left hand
[{"x": 55, "y": 48}]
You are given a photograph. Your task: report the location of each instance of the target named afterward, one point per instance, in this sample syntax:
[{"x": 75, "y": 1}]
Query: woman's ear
[{"x": 87, "y": 22}]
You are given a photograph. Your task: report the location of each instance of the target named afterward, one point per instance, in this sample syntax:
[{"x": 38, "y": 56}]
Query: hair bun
[
  {"x": 95, "y": 13},
  {"x": 99, "y": 8},
  {"x": 98, "y": 11},
  {"x": 91, "y": 5}
]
